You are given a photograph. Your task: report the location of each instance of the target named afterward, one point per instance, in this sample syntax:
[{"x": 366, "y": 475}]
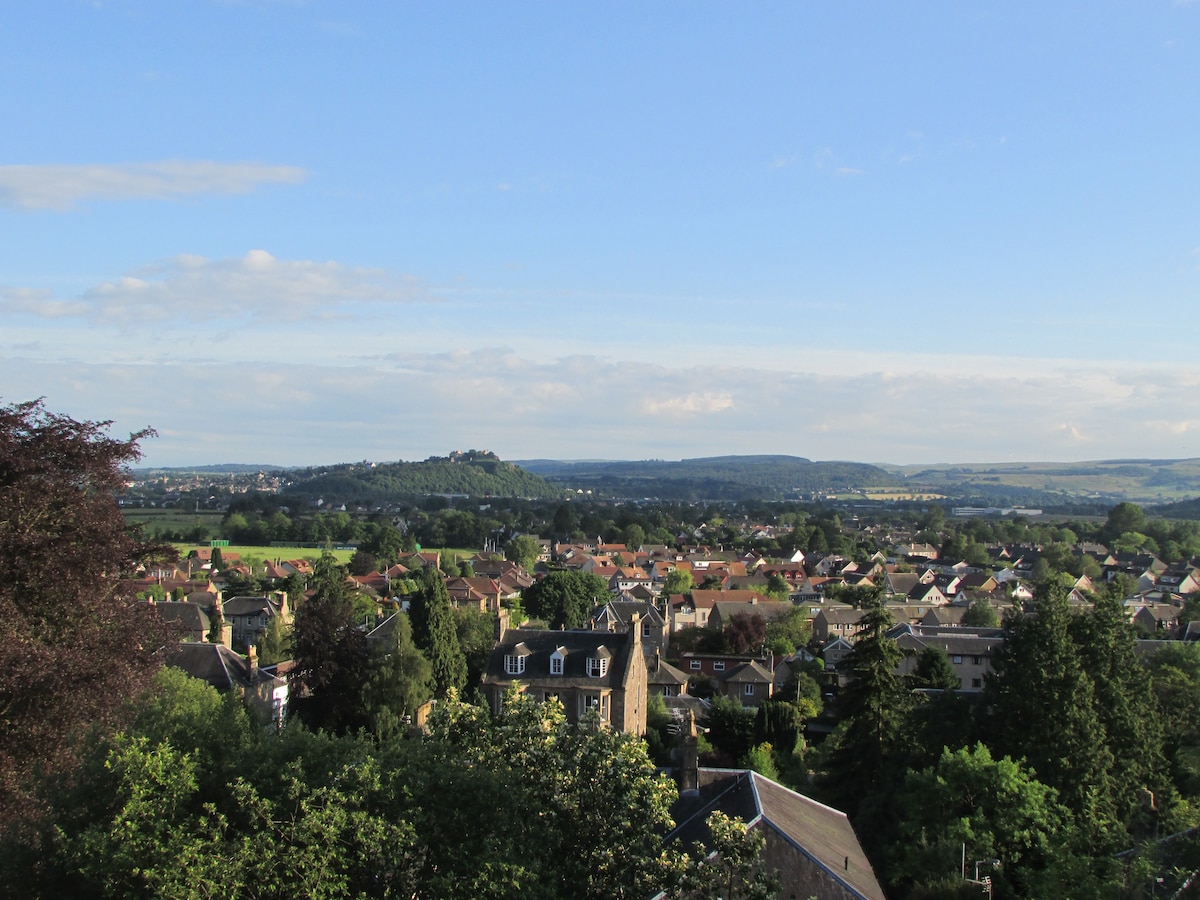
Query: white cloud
[
  {"x": 59, "y": 187},
  {"x": 312, "y": 403},
  {"x": 692, "y": 404},
  {"x": 194, "y": 288}
]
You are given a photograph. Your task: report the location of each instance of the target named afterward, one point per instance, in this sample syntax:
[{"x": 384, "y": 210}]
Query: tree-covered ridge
[
  {"x": 477, "y": 475},
  {"x": 714, "y": 478}
]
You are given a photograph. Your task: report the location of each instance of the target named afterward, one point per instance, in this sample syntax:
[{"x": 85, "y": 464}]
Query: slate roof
[
  {"x": 187, "y": 616},
  {"x": 249, "y": 606},
  {"x": 216, "y": 664},
  {"x": 620, "y": 611},
  {"x": 820, "y": 833},
  {"x": 577, "y": 647},
  {"x": 751, "y": 672},
  {"x": 663, "y": 673}
]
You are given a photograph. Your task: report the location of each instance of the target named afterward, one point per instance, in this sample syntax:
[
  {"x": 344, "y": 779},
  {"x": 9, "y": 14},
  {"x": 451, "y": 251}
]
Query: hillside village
[
  {"x": 746, "y": 700},
  {"x": 671, "y": 630}
]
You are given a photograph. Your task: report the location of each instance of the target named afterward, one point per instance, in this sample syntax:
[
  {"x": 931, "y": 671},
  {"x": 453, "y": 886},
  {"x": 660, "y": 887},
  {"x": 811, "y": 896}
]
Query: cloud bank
[
  {"x": 410, "y": 404},
  {"x": 59, "y": 187},
  {"x": 191, "y": 288}
]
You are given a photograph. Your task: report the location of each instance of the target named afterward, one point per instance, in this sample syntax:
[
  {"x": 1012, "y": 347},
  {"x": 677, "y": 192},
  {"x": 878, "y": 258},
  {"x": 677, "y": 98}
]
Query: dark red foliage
[
  {"x": 73, "y": 649},
  {"x": 746, "y": 632}
]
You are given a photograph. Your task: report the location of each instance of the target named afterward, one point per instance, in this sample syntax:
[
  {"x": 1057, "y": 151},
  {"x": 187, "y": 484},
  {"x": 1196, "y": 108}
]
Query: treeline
[
  {"x": 1075, "y": 751},
  {"x": 736, "y": 478},
  {"x": 360, "y": 484}
]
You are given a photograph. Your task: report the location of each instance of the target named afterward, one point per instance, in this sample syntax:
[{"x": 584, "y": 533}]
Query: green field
[
  {"x": 261, "y": 554},
  {"x": 174, "y": 519}
]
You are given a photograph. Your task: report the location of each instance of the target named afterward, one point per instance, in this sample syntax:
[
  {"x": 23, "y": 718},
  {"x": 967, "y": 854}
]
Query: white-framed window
[
  {"x": 597, "y": 667},
  {"x": 695, "y": 665},
  {"x": 556, "y": 664},
  {"x": 646, "y": 632},
  {"x": 957, "y": 660},
  {"x": 514, "y": 664},
  {"x": 598, "y": 702},
  {"x": 748, "y": 690},
  {"x": 719, "y": 665}
]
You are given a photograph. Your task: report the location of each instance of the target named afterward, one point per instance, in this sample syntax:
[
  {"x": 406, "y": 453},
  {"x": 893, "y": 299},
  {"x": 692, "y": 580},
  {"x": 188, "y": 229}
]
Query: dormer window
[
  {"x": 514, "y": 663},
  {"x": 557, "y": 661},
  {"x": 597, "y": 664}
]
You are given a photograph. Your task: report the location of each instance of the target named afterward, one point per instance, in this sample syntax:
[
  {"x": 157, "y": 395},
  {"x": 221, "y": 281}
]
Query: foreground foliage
[
  {"x": 72, "y": 646},
  {"x": 196, "y": 799}
]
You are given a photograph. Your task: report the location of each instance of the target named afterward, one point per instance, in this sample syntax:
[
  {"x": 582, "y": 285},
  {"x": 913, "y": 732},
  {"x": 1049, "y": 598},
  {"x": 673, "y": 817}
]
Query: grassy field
[
  {"x": 174, "y": 519},
  {"x": 261, "y": 554}
]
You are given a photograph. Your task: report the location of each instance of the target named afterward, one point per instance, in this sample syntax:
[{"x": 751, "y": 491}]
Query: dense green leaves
[
  {"x": 975, "y": 804},
  {"x": 563, "y": 599},
  {"x": 519, "y": 804}
]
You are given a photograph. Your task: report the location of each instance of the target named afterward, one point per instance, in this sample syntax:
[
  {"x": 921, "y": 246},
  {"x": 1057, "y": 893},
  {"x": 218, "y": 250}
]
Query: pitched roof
[
  {"x": 576, "y": 646},
  {"x": 216, "y": 664},
  {"x": 820, "y": 833}
]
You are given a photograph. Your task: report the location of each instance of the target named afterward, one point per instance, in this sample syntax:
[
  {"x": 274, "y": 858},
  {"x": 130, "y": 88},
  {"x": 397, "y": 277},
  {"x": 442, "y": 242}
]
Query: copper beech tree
[{"x": 73, "y": 646}]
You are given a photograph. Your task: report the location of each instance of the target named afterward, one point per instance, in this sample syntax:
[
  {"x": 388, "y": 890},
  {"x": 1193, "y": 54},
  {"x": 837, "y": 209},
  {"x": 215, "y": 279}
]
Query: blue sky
[{"x": 305, "y": 232}]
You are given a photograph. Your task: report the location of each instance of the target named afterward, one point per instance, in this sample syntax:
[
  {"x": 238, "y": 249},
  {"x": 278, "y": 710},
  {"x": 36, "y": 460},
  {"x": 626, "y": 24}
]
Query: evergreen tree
[
  {"x": 564, "y": 599},
  {"x": 873, "y": 706},
  {"x": 399, "y": 681},
  {"x": 435, "y": 631},
  {"x": 1125, "y": 704},
  {"x": 1042, "y": 708},
  {"x": 934, "y": 670},
  {"x": 330, "y": 649},
  {"x": 275, "y": 645}
]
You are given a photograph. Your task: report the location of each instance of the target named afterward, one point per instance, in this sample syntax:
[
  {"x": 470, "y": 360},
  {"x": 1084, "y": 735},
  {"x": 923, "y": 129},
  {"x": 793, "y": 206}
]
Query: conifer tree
[
  {"x": 1126, "y": 707},
  {"x": 435, "y": 631},
  {"x": 329, "y": 648},
  {"x": 873, "y": 706},
  {"x": 399, "y": 681},
  {"x": 1043, "y": 709}
]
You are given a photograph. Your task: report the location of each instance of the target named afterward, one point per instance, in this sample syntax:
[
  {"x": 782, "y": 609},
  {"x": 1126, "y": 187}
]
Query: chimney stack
[{"x": 689, "y": 762}]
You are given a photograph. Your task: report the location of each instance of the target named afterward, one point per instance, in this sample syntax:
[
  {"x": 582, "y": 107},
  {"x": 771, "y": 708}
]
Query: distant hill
[
  {"x": 477, "y": 474},
  {"x": 713, "y": 478},
  {"x": 1145, "y": 481},
  {"x": 218, "y": 469}
]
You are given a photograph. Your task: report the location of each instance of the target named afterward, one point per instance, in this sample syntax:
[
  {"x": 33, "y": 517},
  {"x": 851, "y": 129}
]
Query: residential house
[
  {"x": 587, "y": 671},
  {"x": 812, "y": 848},
  {"x": 927, "y": 595},
  {"x": 189, "y": 619},
  {"x": 263, "y": 693},
  {"x": 482, "y": 594},
  {"x": 724, "y": 610},
  {"x": 970, "y": 650},
  {"x": 251, "y": 616},
  {"x": 749, "y": 684},
  {"x": 618, "y": 615},
  {"x": 747, "y": 679},
  {"x": 663, "y": 679},
  {"x": 836, "y": 622}
]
